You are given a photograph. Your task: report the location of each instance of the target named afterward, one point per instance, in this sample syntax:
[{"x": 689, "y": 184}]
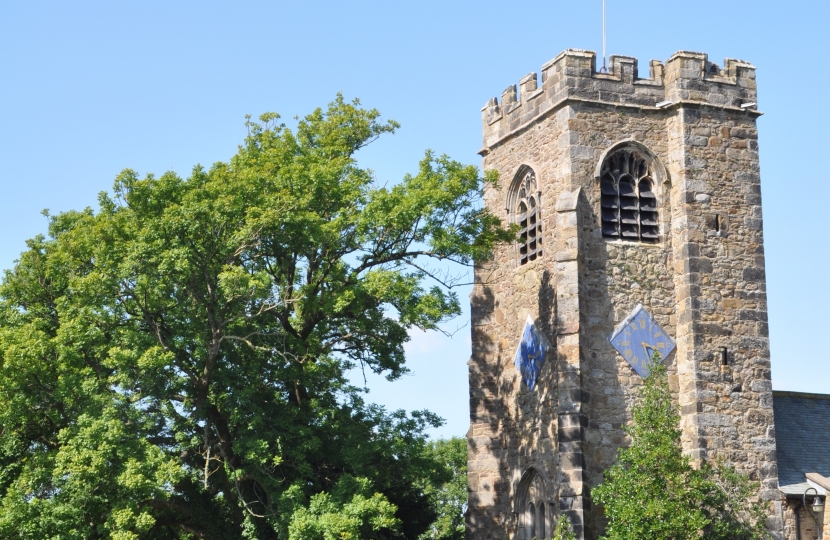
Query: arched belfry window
[
  {"x": 629, "y": 204},
  {"x": 526, "y": 207},
  {"x": 531, "y": 507}
]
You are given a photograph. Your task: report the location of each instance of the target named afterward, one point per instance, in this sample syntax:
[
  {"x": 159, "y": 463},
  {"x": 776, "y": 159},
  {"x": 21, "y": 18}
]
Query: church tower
[{"x": 638, "y": 199}]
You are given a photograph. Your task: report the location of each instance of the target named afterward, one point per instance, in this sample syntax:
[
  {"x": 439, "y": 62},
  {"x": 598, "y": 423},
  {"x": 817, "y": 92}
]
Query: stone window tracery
[
  {"x": 533, "y": 518},
  {"x": 527, "y": 210},
  {"x": 628, "y": 201}
]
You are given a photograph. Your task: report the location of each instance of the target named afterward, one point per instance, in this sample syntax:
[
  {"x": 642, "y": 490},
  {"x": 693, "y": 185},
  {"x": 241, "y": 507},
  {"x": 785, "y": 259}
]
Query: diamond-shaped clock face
[
  {"x": 531, "y": 354},
  {"x": 638, "y": 337}
]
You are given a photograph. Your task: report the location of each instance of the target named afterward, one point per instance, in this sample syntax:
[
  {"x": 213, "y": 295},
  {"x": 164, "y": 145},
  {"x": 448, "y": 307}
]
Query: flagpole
[{"x": 604, "y": 68}]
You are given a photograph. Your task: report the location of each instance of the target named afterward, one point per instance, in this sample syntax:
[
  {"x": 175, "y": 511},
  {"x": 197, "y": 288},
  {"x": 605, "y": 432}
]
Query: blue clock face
[
  {"x": 531, "y": 353},
  {"x": 638, "y": 337}
]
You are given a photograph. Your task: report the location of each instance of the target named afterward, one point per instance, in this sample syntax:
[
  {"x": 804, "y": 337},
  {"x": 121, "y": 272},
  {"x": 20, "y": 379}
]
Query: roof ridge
[{"x": 786, "y": 393}]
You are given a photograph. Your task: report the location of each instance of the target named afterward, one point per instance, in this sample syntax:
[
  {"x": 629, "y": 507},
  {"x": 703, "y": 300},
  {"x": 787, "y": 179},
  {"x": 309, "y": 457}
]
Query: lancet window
[
  {"x": 528, "y": 215},
  {"x": 628, "y": 201}
]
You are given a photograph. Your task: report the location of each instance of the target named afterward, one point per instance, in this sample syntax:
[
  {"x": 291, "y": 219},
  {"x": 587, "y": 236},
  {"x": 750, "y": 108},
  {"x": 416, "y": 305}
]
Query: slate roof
[{"x": 802, "y": 435}]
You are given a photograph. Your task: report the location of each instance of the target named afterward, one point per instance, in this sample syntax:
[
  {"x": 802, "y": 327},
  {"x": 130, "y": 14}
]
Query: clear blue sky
[{"x": 91, "y": 88}]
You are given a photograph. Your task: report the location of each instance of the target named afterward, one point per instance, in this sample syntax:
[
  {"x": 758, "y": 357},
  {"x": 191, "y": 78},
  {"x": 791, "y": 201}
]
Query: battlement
[{"x": 687, "y": 78}]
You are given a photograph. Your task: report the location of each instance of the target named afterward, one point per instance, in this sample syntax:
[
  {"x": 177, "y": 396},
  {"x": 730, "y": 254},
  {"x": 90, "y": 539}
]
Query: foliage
[
  {"x": 655, "y": 492},
  {"x": 563, "y": 529},
  {"x": 175, "y": 364},
  {"x": 448, "y": 498},
  {"x": 352, "y": 511}
]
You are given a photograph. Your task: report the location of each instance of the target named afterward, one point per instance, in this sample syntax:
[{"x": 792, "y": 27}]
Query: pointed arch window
[
  {"x": 530, "y": 505},
  {"x": 628, "y": 201},
  {"x": 527, "y": 209}
]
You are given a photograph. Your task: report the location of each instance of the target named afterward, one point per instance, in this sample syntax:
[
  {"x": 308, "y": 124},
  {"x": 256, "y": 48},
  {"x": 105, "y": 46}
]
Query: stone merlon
[{"x": 686, "y": 79}]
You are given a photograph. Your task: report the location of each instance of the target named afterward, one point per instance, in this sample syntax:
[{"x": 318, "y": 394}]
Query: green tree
[
  {"x": 175, "y": 364},
  {"x": 655, "y": 492},
  {"x": 448, "y": 496}
]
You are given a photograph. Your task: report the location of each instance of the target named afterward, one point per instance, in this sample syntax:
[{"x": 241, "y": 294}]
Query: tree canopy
[
  {"x": 174, "y": 365},
  {"x": 449, "y": 499}
]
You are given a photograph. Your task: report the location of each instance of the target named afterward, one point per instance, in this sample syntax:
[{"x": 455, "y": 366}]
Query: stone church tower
[{"x": 628, "y": 191}]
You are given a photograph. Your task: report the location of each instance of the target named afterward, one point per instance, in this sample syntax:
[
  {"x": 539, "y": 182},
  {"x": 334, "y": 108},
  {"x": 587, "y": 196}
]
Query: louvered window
[
  {"x": 529, "y": 218},
  {"x": 629, "y": 205}
]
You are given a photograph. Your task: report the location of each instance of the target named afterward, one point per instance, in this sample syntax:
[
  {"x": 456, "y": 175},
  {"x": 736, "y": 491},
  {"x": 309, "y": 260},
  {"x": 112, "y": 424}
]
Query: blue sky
[{"x": 91, "y": 88}]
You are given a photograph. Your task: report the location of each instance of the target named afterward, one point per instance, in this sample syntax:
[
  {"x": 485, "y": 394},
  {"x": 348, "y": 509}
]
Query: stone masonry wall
[
  {"x": 721, "y": 261},
  {"x": 512, "y": 428},
  {"x": 703, "y": 282},
  {"x": 618, "y": 275}
]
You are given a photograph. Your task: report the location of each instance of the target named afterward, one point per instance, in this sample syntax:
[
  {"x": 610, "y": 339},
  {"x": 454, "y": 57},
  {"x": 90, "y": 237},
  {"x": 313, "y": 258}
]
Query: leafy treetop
[{"x": 174, "y": 365}]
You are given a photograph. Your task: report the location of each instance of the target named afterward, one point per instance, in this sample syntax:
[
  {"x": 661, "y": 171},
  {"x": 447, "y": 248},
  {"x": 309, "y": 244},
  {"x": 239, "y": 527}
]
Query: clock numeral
[
  {"x": 627, "y": 353},
  {"x": 642, "y": 324},
  {"x": 661, "y": 344},
  {"x": 657, "y": 335}
]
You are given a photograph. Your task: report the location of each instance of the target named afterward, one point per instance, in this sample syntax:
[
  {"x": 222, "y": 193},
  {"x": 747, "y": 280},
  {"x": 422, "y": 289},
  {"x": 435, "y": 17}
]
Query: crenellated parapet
[{"x": 687, "y": 78}]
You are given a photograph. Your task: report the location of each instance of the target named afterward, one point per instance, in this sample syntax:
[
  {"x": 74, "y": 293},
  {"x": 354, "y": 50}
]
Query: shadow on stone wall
[{"x": 515, "y": 427}]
